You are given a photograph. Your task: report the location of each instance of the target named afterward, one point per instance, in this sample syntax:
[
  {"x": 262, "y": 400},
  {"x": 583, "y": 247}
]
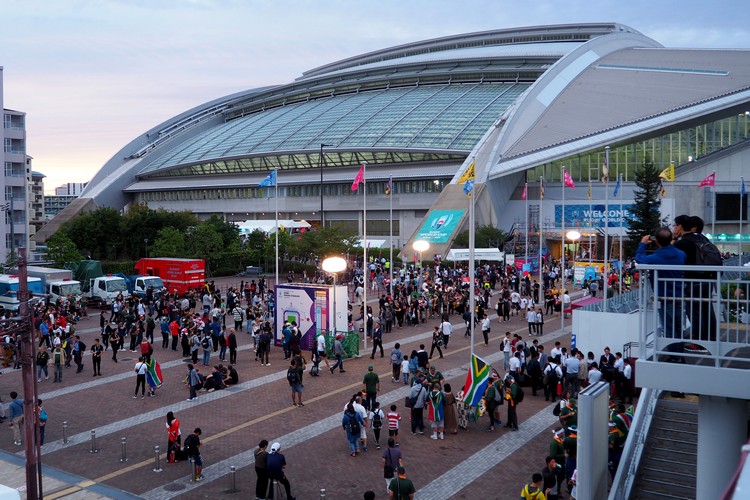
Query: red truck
[{"x": 178, "y": 275}]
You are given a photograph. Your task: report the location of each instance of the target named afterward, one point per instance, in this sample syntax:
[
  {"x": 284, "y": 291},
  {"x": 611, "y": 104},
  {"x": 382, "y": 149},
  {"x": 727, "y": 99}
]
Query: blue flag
[
  {"x": 469, "y": 186},
  {"x": 269, "y": 181},
  {"x": 617, "y": 187},
  {"x": 743, "y": 191}
]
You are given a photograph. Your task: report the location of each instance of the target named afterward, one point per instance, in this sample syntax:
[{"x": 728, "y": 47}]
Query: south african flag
[
  {"x": 476, "y": 381},
  {"x": 153, "y": 375}
]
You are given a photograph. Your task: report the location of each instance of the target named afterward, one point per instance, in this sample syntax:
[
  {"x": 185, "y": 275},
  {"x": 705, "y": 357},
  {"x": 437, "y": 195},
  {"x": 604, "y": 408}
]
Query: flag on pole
[
  {"x": 605, "y": 172},
  {"x": 476, "y": 381},
  {"x": 617, "y": 187},
  {"x": 541, "y": 188},
  {"x": 359, "y": 178},
  {"x": 467, "y": 175},
  {"x": 662, "y": 190},
  {"x": 568, "y": 180},
  {"x": 523, "y": 196},
  {"x": 709, "y": 181},
  {"x": 588, "y": 195},
  {"x": 668, "y": 173},
  {"x": 269, "y": 181},
  {"x": 469, "y": 187},
  {"x": 743, "y": 192},
  {"x": 389, "y": 186}
]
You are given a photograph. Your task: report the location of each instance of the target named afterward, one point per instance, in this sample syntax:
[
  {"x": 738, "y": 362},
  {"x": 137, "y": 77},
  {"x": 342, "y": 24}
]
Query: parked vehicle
[
  {"x": 178, "y": 275},
  {"x": 105, "y": 289},
  {"x": 9, "y": 290},
  {"x": 139, "y": 285},
  {"x": 58, "y": 284}
]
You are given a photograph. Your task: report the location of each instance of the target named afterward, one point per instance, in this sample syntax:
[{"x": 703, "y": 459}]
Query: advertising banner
[
  {"x": 592, "y": 215},
  {"x": 311, "y": 307},
  {"x": 439, "y": 226},
  {"x": 586, "y": 270}
]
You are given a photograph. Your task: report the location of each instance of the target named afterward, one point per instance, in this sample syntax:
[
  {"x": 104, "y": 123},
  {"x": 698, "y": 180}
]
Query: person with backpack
[
  {"x": 78, "y": 349},
  {"x": 193, "y": 452},
  {"x": 15, "y": 415},
  {"x": 295, "y": 383},
  {"x": 42, "y": 415},
  {"x": 533, "y": 490},
  {"x": 699, "y": 251},
  {"x": 376, "y": 416},
  {"x": 551, "y": 377},
  {"x": 207, "y": 344},
  {"x": 352, "y": 424},
  {"x": 494, "y": 397},
  {"x": 396, "y": 358}
]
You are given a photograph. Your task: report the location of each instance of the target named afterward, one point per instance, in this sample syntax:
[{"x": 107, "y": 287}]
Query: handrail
[{"x": 632, "y": 452}]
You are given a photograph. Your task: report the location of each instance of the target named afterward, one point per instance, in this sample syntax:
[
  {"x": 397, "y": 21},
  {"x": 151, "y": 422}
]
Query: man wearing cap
[
  {"x": 275, "y": 463},
  {"x": 371, "y": 387},
  {"x": 401, "y": 487},
  {"x": 338, "y": 351}
]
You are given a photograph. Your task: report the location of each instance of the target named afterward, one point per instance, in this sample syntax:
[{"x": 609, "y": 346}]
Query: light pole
[
  {"x": 573, "y": 236},
  {"x": 420, "y": 246},
  {"x": 146, "y": 242},
  {"x": 334, "y": 265},
  {"x": 320, "y": 165}
]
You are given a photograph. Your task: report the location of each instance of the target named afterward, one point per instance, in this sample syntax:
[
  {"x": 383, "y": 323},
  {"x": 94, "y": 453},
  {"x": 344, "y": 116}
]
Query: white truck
[
  {"x": 57, "y": 283},
  {"x": 105, "y": 289}
]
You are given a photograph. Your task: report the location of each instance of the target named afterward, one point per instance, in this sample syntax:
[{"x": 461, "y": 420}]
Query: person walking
[
  {"x": 261, "y": 469},
  {"x": 371, "y": 387},
  {"x": 486, "y": 330},
  {"x": 78, "y": 348},
  {"x": 376, "y": 417},
  {"x": 193, "y": 450},
  {"x": 401, "y": 487},
  {"x": 96, "y": 357},
  {"x": 41, "y": 414},
  {"x": 15, "y": 415},
  {"x": 392, "y": 460},
  {"x": 377, "y": 340},
  {"x": 42, "y": 360},
  {"x": 396, "y": 358},
  {"x": 174, "y": 437},
  {"x": 338, "y": 351},
  {"x": 232, "y": 344},
  {"x": 114, "y": 342},
  {"x": 58, "y": 361},
  {"x": 437, "y": 341},
  {"x": 140, "y": 378},
  {"x": 418, "y": 393},
  {"x": 352, "y": 424},
  {"x": 295, "y": 384}
]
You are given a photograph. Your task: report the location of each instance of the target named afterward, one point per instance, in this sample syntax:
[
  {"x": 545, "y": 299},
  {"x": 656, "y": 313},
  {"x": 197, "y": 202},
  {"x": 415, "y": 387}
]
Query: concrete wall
[{"x": 596, "y": 330}]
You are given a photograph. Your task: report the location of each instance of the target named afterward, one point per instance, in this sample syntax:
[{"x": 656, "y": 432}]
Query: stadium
[{"x": 518, "y": 103}]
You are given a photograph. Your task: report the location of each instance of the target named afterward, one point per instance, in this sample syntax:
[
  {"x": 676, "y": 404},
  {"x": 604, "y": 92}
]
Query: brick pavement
[{"x": 234, "y": 421}]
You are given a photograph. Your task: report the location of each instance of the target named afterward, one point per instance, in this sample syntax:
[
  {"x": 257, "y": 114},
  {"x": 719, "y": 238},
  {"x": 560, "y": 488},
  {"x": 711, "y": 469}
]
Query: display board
[{"x": 311, "y": 307}]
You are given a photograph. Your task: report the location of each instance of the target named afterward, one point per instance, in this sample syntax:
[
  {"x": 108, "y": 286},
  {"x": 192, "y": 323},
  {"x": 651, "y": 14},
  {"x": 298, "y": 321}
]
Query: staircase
[{"x": 668, "y": 465}]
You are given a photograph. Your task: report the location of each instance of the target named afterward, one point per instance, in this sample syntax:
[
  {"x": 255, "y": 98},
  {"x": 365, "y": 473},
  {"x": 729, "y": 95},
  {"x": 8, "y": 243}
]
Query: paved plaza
[{"x": 472, "y": 464}]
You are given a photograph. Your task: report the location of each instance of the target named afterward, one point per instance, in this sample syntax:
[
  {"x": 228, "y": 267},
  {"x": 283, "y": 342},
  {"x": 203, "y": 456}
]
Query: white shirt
[
  {"x": 619, "y": 365},
  {"x": 360, "y": 410},
  {"x": 446, "y": 327},
  {"x": 485, "y": 324},
  {"x": 555, "y": 352},
  {"x": 515, "y": 297},
  {"x": 524, "y": 303},
  {"x": 405, "y": 366},
  {"x": 531, "y": 316},
  {"x": 594, "y": 376},
  {"x": 321, "y": 342},
  {"x": 627, "y": 372},
  {"x": 506, "y": 344},
  {"x": 515, "y": 364}
]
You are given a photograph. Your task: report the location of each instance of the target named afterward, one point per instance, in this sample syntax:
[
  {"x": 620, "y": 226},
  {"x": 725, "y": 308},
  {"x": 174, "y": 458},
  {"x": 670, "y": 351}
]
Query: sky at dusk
[{"x": 94, "y": 74}]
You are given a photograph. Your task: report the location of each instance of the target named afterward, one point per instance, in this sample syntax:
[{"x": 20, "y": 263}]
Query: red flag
[
  {"x": 568, "y": 180},
  {"x": 710, "y": 180},
  {"x": 359, "y": 178},
  {"x": 523, "y": 196}
]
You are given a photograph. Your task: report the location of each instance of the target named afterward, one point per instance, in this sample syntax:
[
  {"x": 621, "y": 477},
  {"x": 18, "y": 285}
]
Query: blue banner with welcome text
[{"x": 592, "y": 215}]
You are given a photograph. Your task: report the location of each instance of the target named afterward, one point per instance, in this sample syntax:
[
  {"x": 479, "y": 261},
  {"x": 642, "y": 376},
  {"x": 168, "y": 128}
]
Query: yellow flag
[
  {"x": 662, "y": 189},
  {"x": 467, "y": 175},
  {"x": 589, "y": 194},
  {"x": 668, "y": 173}
]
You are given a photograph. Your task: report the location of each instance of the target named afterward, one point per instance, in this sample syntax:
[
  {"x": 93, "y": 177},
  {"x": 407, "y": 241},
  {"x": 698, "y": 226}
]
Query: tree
[
  {"x": 484, "y": 237},
  {"x": 97, "y": 232},
  {"x": 205, "y": 242},
  {"x": 230, "y": 233},
  {"x": 169, "y": 242},
  {"x": 645, "y": 216},
  {"x": 61, "y": 250}
]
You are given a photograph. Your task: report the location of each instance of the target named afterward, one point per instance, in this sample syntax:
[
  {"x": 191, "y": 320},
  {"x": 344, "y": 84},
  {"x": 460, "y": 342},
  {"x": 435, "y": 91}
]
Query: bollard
[
  {"x": 157, "y": 463},
  {"x": 232, "y": 479},
  {"x": 65, "y": 432},
  {"x": 322, "y": 493},
  {"x": 194, "y": 468},
  {"x": 124, "y": 455},
  {"x": 94, "y": 449}
]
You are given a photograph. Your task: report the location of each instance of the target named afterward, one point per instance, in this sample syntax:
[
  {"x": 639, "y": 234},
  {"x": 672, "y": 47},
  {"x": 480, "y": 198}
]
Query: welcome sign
[
  {"x": 592, "y": 215},
  {"x": 439, "y": 226}
]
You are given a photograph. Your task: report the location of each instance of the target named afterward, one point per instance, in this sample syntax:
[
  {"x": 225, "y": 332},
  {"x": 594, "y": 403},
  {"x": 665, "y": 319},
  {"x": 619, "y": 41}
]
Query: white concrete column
[{"x": 722, "y": 430}]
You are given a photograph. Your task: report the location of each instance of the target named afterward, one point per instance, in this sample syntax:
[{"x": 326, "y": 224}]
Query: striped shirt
[{"x": 393, "y": 419}]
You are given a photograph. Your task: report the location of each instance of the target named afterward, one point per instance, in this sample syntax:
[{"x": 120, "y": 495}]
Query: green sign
[{"x": 439, "y": 226}]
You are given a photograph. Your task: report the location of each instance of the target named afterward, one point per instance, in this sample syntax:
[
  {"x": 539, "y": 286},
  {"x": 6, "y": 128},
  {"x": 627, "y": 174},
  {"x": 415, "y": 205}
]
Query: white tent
[
  {"x": 460, "y": 254},
  {"x": 269, "y": 226},
  {"x": 371, "y": 243}
]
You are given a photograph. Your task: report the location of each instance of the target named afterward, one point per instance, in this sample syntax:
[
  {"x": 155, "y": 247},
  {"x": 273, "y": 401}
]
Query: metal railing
[
  {"x": 622, "y": 484},
  {"x": 623, "y": 303},
  {"x": 696, "y": 314}
]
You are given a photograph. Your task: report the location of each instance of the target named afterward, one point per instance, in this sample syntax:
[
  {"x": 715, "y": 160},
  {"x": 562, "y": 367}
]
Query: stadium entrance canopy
[{"x": 461, "y": 254}]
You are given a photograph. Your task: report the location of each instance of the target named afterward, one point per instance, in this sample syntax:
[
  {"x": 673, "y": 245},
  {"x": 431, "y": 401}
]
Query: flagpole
[
  {"x": 390, "y": 221},
  {"x": 713, "y": 208},
  {"x": 742, "y": 206},
  {"x": 562, "y": 253},
  {"x": 364, "y": 244},
  {"x": 622, "y": 216},
  {"x": 526, "y": 205},
  {"x": 606, "y": 228},
  {"x": 472, "y": 298},
  {"x": 541, "y": 236},
  {"x": 277, "y": 226},
  {"x": 591, "y": 220}
]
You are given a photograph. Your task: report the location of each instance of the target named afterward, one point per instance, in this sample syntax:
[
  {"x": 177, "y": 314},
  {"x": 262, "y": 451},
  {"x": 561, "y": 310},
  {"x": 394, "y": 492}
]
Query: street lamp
[
  {"x": 146, "y": 242},
  {"x": 420, "y": 246},
  {"x": 573, "y": 236},
  {"x": 334, "y": 265},
  {"x": 320, "y": 165}
]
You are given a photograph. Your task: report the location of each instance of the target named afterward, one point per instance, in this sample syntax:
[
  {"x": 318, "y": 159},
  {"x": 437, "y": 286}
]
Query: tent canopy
[
  {"x": 459, "y": 254},
  {"x": 269, "y": 226}
]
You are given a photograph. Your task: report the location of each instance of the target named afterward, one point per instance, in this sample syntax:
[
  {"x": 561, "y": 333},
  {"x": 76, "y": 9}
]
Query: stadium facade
[{"x": 518, "y": 103}]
